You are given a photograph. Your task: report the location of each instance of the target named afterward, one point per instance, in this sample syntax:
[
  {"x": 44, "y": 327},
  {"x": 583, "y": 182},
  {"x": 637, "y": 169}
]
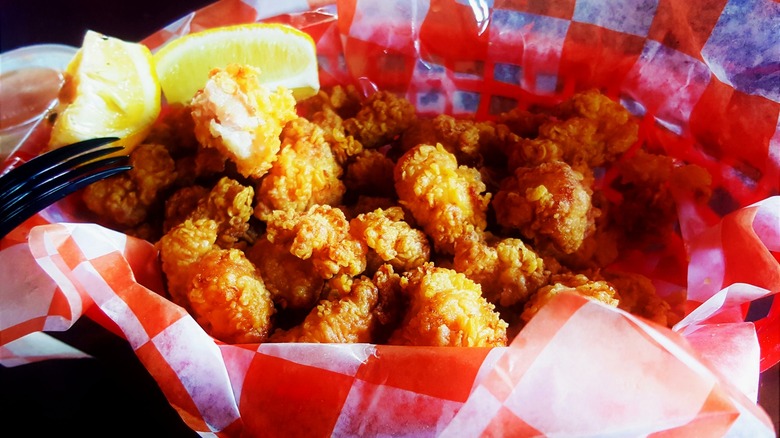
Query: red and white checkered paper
[{"x": 706, "y": 70}]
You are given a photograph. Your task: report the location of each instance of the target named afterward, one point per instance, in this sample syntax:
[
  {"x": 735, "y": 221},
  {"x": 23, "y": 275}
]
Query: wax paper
[{"x": 705, "y": 78}]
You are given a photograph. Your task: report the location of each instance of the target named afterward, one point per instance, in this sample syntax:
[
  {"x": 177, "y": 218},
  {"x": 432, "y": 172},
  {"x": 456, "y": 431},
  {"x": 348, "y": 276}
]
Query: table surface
[{"x": 89, "y": 396}]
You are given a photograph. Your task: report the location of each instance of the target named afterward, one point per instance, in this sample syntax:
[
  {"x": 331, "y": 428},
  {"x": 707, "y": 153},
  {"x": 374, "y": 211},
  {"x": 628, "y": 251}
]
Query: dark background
[
  {"x": 111, "y": 395},
  {"x": 24, "y": 22}
]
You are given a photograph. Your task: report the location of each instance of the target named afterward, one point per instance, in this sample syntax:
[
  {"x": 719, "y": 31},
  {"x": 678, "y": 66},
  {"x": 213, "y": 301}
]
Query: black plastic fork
[{"x": 47, "y": 178}]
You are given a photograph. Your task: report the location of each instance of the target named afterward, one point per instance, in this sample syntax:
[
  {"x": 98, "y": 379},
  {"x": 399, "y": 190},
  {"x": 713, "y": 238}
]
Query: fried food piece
[
  {"x": 359, "y": 316},
  {"x": 180, "y": 249},
  {"x": 344, "y": 146},
  {"x": 320, "y": 234},
  {"x": 305, "y": 173},
  {"x": 220, "y": 287},
  {"x": 181, "y": 204},
  {"x": 473, "y": 143},
  {"x": 241, "y": 118},
  {"x": 591, "y": 130},
  {"x": 371, "y": 174},
  {"x": 446, "y": 200},
  {"x": 390, "y": 239},
  {"x": 639, "y": 297},
  {"x": 459, "y": 137},
  {"x": 524, "y": 122},
  {"x": 175, "y": 129},
  {"x": 598, "y": 290},
  {"x": 128, "y": 199},
  {"x": 343, "y": 100},
  {"x": 447, "y": 309},
  {"x": 382, "y": 117},
  {"x": 367, "y": 204},
  {"x": 507, "y": 270},
  {"x": 229, "y": 204},
  {"x": 647, "y": 183},
  {"x": 293, "y": 282},
  {"x": 548, "y": 202},
  {"x": 228, "y": 297}
]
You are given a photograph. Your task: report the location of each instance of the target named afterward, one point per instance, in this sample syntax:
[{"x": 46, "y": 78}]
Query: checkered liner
[{"x": 705, "y": 70}]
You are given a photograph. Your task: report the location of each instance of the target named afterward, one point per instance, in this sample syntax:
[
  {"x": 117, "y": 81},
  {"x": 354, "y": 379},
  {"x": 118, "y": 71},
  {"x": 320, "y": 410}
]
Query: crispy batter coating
[
  {"x": 175, "y": 129},
  {"x": 391, "y": 240},
  {"x": 547, "y": 202},
  {"x": 638, "y": 296},
  {"x": 647, "y": 183},
  {"x": 378, "y": 226},
  {"x": 447, "y": 309},
  {"x": 371, "y": 174},
  {"x": 181, "y": 204},
  {"x": 343, "y": 145},
  {"x": 180, "y": 249},
  {"x": 220, "y": 287},
  {"x": 524, "y": 122},
  {"x": 598, "y": 290},
  {"x": 229, "y": 203},
  {"x": 446, "y": 200},
  {"x": 320, "y": 234},
  {"x": 305, "y": 173},
  {"x": 344, "y": 100},
  {"x": 508, "y": 270},
  {"x": 347, "y": 320},
  {"x": 228, "y": 297},
  {"x": 241, "y": 118},
  {"x": 127, "y": 199},
  {"x": 473, "y": 143},
  {"x": 591, "y": 130},
  {"x": 293, "y": 282},
  {"x": 382, "y": 118}
]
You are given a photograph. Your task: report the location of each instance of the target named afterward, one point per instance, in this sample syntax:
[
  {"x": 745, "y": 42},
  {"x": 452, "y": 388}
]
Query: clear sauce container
[{"x": 30, "y": 79}]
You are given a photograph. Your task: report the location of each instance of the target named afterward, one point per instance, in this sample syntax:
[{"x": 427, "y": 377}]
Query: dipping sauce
[
  {"x": 26, "y": 94},
  {"x": 30, "y": 79}
]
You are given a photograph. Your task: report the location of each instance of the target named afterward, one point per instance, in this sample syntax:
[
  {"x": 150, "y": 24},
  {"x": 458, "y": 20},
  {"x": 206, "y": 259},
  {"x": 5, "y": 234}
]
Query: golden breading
[
  {"x": 391, "y": 240},
  {"x": 241, "y": 118},
  {"x": 508, "y": 271},
  {"x": 127, "y": 199},
  {"x": 446, "y": 309},
  {"x": 446, "y": 200},
  {"x": 181, "y": 204},
  {"x": 344, "y": 100},
  {"x": 591, "y": 130},
  {"x": 548, "y": 202},
  {"x": 638, "y": 296},
  {"x": 473, "y": 143},
  {"x": 346, "y": 320},
  {"x": 647, "y": 183},
  {"x": 180, "y": 249},
  {"x": 320, "y": 234},
  {"x": 304, "y": 174},
  {"x": 293, "y": 282},
  {"x": 228, "y": 298},
  {"x": 229, "y": 203},
  {"x": 343, "y": 146},
  {"x": 220, "y": 287},
  {"x": 370, "y": 174},
  {"x": 598, "y": 290},
  {"x": 349, "y": 219},
  {"x": 383, "y": 117}
]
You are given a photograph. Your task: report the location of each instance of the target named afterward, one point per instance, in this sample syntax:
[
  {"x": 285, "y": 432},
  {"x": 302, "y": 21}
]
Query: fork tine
[
  {"x": 8, "y": 190},
  {"x": 54, "y": 181},
  {"x": 54, "y": 190},
  {"x": 43, "y": 161}
]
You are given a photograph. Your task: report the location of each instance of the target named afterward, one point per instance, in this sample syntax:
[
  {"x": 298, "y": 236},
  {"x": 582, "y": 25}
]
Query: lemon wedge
[
  {"x": 111, "y": 90},
  {"x": 284, "y": 55}
]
